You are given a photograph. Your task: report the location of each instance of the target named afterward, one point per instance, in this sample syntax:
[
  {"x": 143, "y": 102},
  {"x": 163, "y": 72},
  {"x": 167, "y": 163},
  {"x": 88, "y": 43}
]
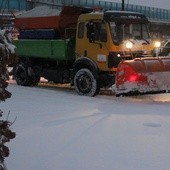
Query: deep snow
[{"x": 59, "y": 130}]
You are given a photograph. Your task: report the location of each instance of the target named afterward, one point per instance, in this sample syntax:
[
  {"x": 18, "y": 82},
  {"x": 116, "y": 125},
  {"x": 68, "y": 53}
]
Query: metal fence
[{"x": 150, "y": 12}]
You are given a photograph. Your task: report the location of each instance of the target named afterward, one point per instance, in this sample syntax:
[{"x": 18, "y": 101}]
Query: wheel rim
[{"x": 84, "y": 83}]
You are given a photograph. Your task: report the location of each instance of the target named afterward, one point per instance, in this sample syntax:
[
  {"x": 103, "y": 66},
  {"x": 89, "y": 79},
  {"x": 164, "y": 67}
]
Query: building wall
[
  {"x": 13, "y": 5},
  {"x": 151, "y": 12},
  {"x": 160, "y": 18}
]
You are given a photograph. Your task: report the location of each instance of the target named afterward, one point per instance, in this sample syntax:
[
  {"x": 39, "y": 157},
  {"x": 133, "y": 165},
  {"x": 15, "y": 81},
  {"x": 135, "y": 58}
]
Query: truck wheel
[
  {"x": 85, "y": 83},
  {"x": 35, "y": 75},
  {"x": 21, "y": 75}
]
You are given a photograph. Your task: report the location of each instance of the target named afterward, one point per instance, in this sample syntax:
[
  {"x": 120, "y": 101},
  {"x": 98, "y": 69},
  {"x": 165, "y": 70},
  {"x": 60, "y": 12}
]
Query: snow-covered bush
[{"x": 7, "y": 56}]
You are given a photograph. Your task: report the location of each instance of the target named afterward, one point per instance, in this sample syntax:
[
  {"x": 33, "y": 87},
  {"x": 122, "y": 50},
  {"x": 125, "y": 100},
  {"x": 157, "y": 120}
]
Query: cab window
[
  {"x": 81, "y": 30},
  {"x": 99, "y": 30}
]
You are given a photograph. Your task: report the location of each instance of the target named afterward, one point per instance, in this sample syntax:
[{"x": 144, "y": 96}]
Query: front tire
[{"x": 85, "y": 83}]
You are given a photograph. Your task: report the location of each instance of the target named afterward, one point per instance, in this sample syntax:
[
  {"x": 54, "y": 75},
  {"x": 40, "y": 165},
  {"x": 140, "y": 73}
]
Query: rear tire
[
  {"x": 85, "y": 83},
  {"x": 26, "y": 75},
  {"x": 36, "y": 75},
  {"x": 21, "y": 75}
]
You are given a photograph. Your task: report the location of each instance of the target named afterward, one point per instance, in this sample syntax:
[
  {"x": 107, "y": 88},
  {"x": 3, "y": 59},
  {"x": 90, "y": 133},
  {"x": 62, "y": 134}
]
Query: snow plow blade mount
[{"x": 143, "y": 75}]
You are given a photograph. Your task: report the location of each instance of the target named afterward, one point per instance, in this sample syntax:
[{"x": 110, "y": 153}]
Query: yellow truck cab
[{"x": 108, "y": 37}]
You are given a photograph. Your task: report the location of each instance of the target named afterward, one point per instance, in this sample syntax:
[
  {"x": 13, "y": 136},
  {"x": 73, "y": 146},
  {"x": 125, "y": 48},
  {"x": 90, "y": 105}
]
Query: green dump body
[{"x": 46, "y": 49}]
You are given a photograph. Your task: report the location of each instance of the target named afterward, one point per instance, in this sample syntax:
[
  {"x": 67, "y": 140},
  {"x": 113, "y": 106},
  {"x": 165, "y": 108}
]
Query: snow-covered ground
[{"x": 59, "y": 130}]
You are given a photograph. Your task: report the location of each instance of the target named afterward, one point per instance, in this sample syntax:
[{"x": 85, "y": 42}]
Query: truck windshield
[{"x": 135, "y": 31}]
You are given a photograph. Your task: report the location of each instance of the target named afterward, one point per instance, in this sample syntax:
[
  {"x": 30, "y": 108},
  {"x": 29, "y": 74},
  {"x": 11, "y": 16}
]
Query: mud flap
[{"x": 144, "y": 75}]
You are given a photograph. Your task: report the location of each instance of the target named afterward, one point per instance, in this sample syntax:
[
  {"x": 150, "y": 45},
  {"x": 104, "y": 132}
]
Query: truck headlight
[
  {"x": 129, "y": 45},
  {"x": 157, "y": 44}
]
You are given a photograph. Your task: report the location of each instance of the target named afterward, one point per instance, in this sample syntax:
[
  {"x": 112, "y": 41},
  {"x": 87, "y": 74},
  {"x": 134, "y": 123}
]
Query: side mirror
[{"x": 91, "y": 31}]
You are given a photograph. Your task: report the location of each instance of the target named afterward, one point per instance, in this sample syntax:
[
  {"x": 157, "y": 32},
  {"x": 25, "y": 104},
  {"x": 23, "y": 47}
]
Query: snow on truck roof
[
  {"x": 39, "y": 11},
  {"x": 45, "y": 11}
]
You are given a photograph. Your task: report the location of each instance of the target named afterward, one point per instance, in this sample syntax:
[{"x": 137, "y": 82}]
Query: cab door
[{"x": 92, "y": 42}]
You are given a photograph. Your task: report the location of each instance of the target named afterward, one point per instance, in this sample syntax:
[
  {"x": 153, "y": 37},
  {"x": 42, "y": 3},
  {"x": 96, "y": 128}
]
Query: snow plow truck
[{"x": 90, "y": 50}]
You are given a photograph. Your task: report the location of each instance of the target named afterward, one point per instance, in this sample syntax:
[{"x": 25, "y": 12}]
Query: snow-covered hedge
[{"x": 7, "y": 56}]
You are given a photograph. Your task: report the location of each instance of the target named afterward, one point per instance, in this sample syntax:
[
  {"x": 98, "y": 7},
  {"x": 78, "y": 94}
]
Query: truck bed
[
  {"x": 47, "y": 49},
  {"x": 45, "y": 22}
]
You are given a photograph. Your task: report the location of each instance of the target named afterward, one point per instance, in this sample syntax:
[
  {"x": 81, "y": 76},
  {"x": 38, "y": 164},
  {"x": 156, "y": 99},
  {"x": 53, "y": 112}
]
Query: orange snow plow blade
[{"x": 143, "y": 75}]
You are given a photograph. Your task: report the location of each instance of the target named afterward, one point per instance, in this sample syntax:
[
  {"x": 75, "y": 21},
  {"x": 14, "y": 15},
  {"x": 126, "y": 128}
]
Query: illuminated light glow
[
  {"x": 114, "y": 69},
  {"x": 157, "y": 44},
  {"x": 133, "y": 78},
  {"x": 118, "y": 55},
  {"x": 129, "y": 45}
]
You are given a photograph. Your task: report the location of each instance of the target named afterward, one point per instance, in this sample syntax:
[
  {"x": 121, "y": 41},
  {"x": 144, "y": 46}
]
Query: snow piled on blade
[
  {"x": 159, "y": 80},
  {"x": 156, "y": 82}
]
